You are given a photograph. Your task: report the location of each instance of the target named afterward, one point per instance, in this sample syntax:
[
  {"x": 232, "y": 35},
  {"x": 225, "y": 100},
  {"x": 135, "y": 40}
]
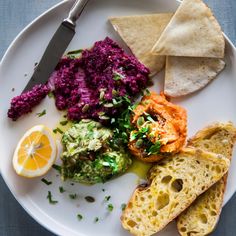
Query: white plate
[{"x": 216, "y": 102}]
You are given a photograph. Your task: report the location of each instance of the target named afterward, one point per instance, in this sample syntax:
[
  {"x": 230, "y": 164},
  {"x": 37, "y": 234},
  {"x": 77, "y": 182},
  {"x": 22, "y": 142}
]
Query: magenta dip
[{"x": 96, "y": 85}]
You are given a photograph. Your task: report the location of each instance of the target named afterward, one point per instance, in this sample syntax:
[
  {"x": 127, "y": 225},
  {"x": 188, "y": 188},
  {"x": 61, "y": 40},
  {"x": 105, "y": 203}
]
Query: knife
[{"x": 56, "y": 46}]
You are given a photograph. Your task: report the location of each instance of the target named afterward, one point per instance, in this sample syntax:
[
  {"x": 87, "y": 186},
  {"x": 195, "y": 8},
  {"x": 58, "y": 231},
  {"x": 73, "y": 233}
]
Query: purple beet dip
[{"x": 96, "y": 85}]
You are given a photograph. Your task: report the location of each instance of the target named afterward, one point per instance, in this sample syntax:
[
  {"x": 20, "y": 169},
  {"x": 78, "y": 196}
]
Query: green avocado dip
[{"x": 89, "y": 156}]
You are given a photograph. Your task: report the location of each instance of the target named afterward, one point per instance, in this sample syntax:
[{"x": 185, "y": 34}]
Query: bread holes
[
  {"x": 191, "y": 233},
  {"x": 183, "y": 229},
  {"x": 207, "y": 166},
  {"x": 131, "y": 223},
  {"x": 166, "y": 179},
  {"x": 149, "y": 196},
  {"x": 218, "y": 169},
  {"x": 162, "y": 200},
  {"x": 203, "y": 218},
  {"x": 213, "y": 213},
  {"x": 154, "y": 213},
  {"x": 177, "y": 185},
  {"x": 213, "y": 205},
  {"x": 142, "y": 199}
]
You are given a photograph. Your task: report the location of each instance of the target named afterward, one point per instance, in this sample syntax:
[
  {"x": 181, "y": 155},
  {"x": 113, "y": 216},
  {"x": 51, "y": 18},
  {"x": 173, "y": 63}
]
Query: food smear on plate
[
  {"x": 89, "y": 156},
  {"x": 96, "y": 83},
  {"x": 35, "y": 153},
  {"x": 24, "y": 103},
  {"x": 160, "y": 128}
]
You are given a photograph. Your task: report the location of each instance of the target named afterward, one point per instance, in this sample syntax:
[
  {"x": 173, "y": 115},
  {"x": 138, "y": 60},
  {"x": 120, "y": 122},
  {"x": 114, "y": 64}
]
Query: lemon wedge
[{"x": 35, "y": 153}]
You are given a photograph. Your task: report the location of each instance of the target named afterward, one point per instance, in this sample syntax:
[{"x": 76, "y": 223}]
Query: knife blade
[{"x": 57, "y": 46}]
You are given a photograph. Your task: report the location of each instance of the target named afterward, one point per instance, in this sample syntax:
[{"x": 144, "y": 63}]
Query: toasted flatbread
[
  {"x": 193, "y": 31},
  {"x": 202, "y": 216},
  {"x": 185, "y": 75},
  {"x": 140, "y": 33},
  {"x": 175, "y": 183}
]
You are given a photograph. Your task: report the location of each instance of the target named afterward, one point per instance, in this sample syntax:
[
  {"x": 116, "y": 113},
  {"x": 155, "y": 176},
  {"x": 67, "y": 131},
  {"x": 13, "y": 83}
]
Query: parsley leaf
[{"x": 96, "y": 219}]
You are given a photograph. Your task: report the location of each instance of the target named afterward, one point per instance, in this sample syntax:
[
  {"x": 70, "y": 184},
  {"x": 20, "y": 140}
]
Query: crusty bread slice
[
  {"x": 202, "y": 216},
  {"x": 175, "y": 183}
]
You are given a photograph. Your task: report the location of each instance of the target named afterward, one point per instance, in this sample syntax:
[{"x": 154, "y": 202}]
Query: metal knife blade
[{"x": 56, "y": 46}]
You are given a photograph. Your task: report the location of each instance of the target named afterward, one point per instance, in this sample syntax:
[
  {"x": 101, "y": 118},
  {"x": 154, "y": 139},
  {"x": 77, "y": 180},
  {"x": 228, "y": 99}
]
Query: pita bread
[
  {"x": 140, "y": 34},
  {"x": 185, "y": 75},
  {"x": 193, "y": 32}
]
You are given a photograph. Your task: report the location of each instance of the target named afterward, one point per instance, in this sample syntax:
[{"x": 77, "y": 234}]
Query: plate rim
[{"x": 39, "y": 220}]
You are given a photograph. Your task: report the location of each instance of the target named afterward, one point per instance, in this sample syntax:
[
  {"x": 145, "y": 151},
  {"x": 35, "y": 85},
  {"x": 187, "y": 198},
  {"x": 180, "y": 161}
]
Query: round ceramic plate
[{"x": 216, "y": 102}]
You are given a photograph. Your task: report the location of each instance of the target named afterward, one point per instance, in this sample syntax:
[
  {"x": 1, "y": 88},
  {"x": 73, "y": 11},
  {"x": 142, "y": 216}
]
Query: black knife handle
[{"x": 75, "y": 11}]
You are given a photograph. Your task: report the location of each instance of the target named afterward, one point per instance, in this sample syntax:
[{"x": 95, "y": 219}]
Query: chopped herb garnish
[
  {"x": 149, "y": 118},
  {"x": 41, "y": 113},
  {"x": 89, "y": 199},
  {"x": 110, "y": 207},
  {"x": 73, "y": 196},
  {"x": 49, "y": 197},
  {"x": 107, "y": 198},
  {"x": 74, "y": 54},
  {"x": 154, "y": 149},
  {"x": 64, "y": 122},
  {"x": 61, "y": 189},
  {"x": 13, "y": 89},
  {"x": 147, "y": 92},
  {"x": 117, "y": 76},
  {"x": 50, "y": 95},
  {"x": 140, "y": 121},
  {"x": 103, "y": 190},
  {"x": 96, "y": 219},
  {"x": 72, "y": 184},
  {"x": 75, "y": 51},
  {"x": 113, "y": 120},
  {"x": 57, "y": 167},
  {"x": 123, "y": 206},
  {"x": 57, "y": 130},
  {"x": 79, "y": 217},
  {"x": 46, "y": 181}
]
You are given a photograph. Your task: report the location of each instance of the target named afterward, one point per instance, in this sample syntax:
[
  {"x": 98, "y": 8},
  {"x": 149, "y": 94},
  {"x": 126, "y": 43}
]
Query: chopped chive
[
  {"x": 79, "y": 217},
  {"x": 64, "y": 122},
  {"x": 46, "y": 181},
  {"x": 39, "y": 114},
  {"x": 61, "y": 189},
  {"x": 150, "y": 119},
  {"x": 147, "y": 92},
  {"x": 57, "y": 130},
  {"x": 110, "y": 207},
  {"x": 107, "y": 198},
  {"x": 57, "y": 167},
  {"x": 49, "y": 197},
  {"x": 75, "y": 51},
  {"x": 73, "y": 196},
  {"x": 96, "y": 219},
  {"x": 123, "y": 206},
  {"x": 103, "y": 190}
]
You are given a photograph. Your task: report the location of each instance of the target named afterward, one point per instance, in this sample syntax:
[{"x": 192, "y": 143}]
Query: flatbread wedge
[
  {"x": 140, "y": 34},
  {"x": 202, "y": 216},
  {"x": 185, "y": 75},
  {"x": 175, "y": 183},
  {"x": 193, "y": 31}
]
